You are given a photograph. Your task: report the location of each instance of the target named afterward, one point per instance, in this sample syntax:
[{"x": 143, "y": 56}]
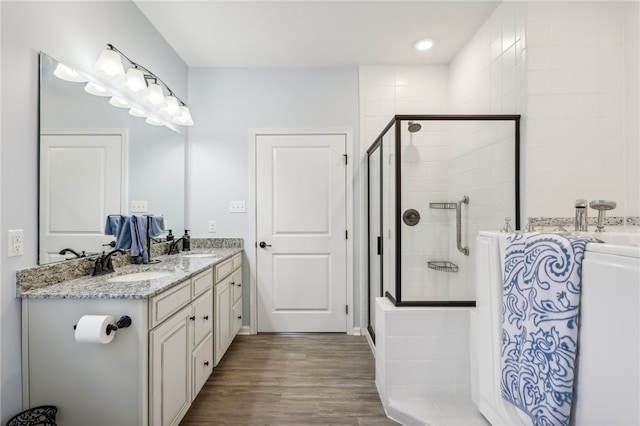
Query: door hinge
[
  {"x": 346, "y": 234},
  {"x": 346, "y": 309},
  {"x": 346, "y": 159}
]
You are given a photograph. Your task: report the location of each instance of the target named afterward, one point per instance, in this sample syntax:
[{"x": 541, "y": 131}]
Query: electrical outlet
[
  {"x": 139, "y": 206},
  {"x": 236, "y": 207},
  {"x": 15, "y": 242},
  {"x": 212, "y": 226}
]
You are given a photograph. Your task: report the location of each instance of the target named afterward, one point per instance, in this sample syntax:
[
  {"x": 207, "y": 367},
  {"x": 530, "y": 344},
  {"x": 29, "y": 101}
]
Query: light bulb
[
  {"x": 135, "y": 80},
  {"x": 94, "y": 89},
  {"x": 173, "y": 107},
  {"x": 153, "y": 121},
  {"x": 137, "y": 113},
  {"x": 424, "y": 44},
  {"x": 184, "y": 118},
  {"x": 120, "y": 103},
  {"x": 156, "y": 96},
  {"x": 110, "y": 64},
  {"x": 63, "y": 72}
]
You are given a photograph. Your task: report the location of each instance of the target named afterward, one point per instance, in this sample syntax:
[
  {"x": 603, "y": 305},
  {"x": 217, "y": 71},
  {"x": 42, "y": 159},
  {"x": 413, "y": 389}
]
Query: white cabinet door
[
  {"x": 222, "y": 307},
  {"x": 170, "y": 375}
]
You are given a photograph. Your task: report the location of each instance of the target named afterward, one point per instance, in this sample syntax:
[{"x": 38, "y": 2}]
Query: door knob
[{"x": 262, "y": 244}]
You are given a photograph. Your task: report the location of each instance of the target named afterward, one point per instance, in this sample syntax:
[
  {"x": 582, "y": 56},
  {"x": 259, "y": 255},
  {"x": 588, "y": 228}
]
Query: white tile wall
[
  {"x": 632, "y": 108},
  {"x": 576, "y": 65},
  {"x": 422, "y": 352}
]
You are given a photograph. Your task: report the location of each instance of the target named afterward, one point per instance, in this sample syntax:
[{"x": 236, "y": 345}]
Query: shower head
[{"x": 414, "y": 127}]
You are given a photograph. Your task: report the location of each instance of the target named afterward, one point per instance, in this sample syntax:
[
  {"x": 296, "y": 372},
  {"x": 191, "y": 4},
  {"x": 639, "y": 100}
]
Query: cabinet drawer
[
  {"x": 202, "y": 316},
  {"x": 202, "y": 364},
  {"x": 223, "y": 269},
  {"x": 169, "y": 302},
  {"x": 237, "y": 261},
  {"x": 201, "y": 282},
  {"x": 236, "y": 281}
]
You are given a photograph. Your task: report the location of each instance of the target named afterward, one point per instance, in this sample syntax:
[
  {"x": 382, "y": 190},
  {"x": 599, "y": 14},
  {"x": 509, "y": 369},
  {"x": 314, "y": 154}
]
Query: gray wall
[
  {"x": 74, "y": 33},
  {"x": 227, "y": 104}
]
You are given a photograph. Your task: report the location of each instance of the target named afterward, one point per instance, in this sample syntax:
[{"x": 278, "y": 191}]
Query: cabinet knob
[
  {"x": 206, "y": 317},
  {"x": 192, "y": 318},
  {"x": 239, "y": 285},
  {"x": 206, "y": 363},
  {"x": 240, "y": 317}
]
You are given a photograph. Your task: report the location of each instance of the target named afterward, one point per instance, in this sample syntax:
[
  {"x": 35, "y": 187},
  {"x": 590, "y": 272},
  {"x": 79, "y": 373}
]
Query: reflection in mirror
[{"x": 96, "y": 160}]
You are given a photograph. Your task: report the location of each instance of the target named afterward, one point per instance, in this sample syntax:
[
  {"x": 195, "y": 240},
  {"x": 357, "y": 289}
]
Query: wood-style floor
[{"x": 305, "y": 379}]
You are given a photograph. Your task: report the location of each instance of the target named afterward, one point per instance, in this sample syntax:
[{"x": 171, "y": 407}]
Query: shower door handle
[{"x": 464, "y": 200}]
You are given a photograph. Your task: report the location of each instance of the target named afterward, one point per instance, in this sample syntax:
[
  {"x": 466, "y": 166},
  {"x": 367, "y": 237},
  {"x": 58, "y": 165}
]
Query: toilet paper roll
[{"x": 93, "y": 329}]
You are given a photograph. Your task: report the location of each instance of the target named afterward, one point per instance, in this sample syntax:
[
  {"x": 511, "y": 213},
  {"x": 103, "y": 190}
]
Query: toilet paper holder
[{"x": 123, "y": 322}]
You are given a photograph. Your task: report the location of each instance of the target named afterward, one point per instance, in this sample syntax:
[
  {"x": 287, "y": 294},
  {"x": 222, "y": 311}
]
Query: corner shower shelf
[
  {"x": 447, "y": 206},
  {"x": 442, "y": 265}
]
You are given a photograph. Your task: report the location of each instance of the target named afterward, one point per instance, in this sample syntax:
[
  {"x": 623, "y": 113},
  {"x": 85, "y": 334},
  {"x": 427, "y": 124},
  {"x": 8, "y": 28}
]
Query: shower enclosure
[{"x": 434, "y": 181}]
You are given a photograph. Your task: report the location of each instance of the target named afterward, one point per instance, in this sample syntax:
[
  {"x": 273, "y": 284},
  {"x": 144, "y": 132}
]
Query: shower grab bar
[{"x": 464, "y": 200}]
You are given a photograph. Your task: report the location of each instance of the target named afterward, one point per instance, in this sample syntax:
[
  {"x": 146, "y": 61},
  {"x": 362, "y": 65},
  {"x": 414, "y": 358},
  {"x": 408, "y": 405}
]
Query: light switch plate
[
  {"x": 15, "y": 246},
  {"x": 139, "y": 206},
  {"x": 236, "y": 207},
  {"x": 212, "y": 226}
]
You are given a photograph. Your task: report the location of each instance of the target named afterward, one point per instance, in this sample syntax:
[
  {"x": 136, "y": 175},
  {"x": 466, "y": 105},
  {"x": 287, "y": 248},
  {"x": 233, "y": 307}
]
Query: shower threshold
[{"x": 435, "y": 411}]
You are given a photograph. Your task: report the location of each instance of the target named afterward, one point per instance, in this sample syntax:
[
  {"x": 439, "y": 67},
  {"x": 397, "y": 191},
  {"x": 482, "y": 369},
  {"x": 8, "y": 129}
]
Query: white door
[
  {"x": 81, "y": 182},
  {"x": 301, "y": 231}
]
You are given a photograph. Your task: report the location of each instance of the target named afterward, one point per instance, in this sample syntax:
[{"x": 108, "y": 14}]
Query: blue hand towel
[
  {"x": 156, "y": 226},
  {"x": 541, "y": 295},
  {"x": 119, "y": 227},
  {"x": 138, "y": 230}
]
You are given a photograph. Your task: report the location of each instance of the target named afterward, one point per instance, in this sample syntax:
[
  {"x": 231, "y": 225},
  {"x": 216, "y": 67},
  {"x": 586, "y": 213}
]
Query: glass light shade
[
  {"x": 153, "y": 121},
  {"x": 184, "y": 119},
  {"x": 156, "y": 97},
  {"x": 135, "y": 80},
  {"x": 137, "y": 113},
  {"x": 120, "y": 103},
  {"x": 94, "y": 89},
  {"x": 63, "y": 72},
  {"x": 110, "y": 64},
  {"x": 173, "y": 107}
]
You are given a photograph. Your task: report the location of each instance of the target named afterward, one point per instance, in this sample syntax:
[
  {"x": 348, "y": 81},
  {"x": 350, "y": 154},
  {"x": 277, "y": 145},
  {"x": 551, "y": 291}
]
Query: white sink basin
[
  {"x": 199, "y": 255},
  {"x": 139, "y": 276}
]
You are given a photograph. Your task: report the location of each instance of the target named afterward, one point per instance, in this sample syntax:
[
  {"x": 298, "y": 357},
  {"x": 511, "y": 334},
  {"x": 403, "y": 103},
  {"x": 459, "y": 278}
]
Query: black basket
[{"x": 44, "y": 415}]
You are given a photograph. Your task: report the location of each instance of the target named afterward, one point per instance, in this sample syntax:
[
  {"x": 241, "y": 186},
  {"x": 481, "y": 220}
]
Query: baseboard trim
[{"x": 245, "y": 330}]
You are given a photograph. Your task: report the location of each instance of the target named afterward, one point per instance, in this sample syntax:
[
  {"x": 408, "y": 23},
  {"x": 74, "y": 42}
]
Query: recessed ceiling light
[{"x": 424, "y": 44}]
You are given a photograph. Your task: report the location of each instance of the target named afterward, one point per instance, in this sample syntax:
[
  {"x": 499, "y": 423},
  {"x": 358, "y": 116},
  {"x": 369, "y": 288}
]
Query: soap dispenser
[
  {"x": 170, "y": 236},
  {"x": 186, "y": 242}
]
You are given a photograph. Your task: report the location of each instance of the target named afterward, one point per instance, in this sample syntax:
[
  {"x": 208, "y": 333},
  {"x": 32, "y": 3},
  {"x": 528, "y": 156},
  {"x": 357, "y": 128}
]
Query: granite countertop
[{"x": 180, "y": 266}]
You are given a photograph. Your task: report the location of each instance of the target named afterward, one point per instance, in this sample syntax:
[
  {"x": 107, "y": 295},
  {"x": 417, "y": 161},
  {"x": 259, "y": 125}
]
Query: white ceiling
[{"x": 299, "y": 33}]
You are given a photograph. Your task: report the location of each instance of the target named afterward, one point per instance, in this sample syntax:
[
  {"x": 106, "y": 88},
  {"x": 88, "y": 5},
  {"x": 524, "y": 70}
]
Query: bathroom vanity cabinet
[
  {"x": 151, "y": 372},
  {"x": 227, "y": 298},
  {"x": 180, "y": 347}
]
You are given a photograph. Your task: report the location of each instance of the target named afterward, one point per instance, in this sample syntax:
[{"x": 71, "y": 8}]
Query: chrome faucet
[
  {"x": 581, "y": 215},
  {"x": 602, "y": 206}
]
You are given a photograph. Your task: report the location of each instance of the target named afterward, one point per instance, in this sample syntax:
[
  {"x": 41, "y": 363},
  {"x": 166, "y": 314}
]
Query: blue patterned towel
[{"x": 540, "y": 306}]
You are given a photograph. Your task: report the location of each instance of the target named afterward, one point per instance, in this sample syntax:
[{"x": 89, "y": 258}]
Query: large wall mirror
[{"x": 96, "y": 159}]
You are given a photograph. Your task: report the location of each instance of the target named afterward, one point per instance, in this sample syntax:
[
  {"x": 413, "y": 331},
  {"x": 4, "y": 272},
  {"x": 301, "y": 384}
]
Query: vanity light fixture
[
  {"x": 63, "y": 72},
  {"x": 138, "y": 89},
  {"x": 424, "y": 44},
  {"x": 96, "y": 89}
]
